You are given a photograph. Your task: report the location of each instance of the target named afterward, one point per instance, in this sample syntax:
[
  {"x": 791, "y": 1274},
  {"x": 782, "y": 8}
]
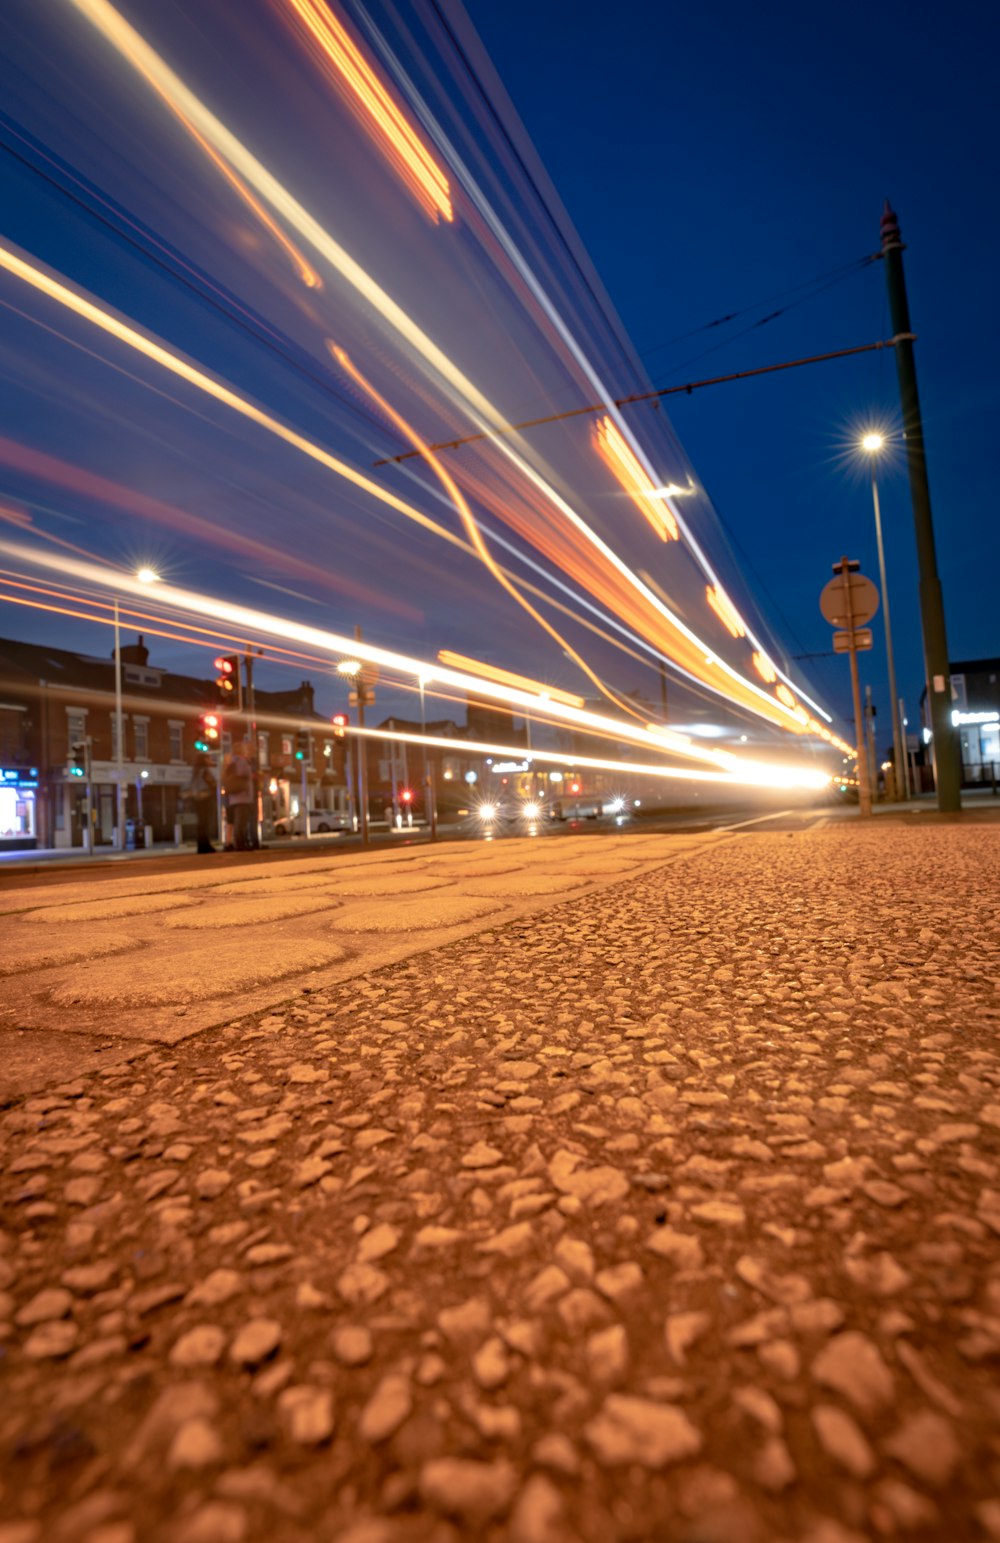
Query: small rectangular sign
[
  {"x": 352, "y": 700},
  {"x": 862, "y": 639}
]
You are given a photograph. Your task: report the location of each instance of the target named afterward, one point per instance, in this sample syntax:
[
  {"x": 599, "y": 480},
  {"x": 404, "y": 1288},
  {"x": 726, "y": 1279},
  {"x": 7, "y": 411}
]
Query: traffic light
[
  {"x": 575, "y": 787},
  {"x": 208, "y": 732},
  {"x": 406, "y": 796},
  {"x": 340, "y": 722},
  {"x": 301, "y": 744},
  {"x": 228, "y": 676},
  {"x": 78, "y": 760}
]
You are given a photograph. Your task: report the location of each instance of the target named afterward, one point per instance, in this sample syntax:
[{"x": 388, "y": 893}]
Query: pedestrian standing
[
  {"x": 201, "y": 791},
  {"x": 237, "y": 780}
]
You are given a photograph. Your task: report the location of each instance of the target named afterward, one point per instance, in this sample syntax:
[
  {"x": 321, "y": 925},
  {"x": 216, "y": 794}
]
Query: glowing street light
[
  {"x": 148, "y": 576},
  {"x": 873, "y": 443}
]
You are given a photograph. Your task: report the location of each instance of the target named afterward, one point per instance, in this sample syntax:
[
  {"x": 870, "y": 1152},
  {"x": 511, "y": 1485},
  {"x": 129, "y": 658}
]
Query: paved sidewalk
[
  {"x": 93, "y": 973},
  {"x": 669, "y": 1211}
]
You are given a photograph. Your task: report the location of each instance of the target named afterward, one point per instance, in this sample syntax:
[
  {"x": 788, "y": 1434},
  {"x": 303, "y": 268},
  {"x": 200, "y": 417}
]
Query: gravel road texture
[{"x": 667, "y": 1211}]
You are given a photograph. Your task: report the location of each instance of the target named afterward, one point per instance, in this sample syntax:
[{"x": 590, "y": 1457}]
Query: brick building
[{"x": 52, "y": 700}]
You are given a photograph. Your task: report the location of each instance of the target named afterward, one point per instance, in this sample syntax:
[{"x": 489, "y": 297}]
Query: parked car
[{"x": 321, "y": 822}]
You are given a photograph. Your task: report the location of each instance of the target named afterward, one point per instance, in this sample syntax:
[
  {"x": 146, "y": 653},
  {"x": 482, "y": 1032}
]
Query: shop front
[{"x": 18, "y": 808}]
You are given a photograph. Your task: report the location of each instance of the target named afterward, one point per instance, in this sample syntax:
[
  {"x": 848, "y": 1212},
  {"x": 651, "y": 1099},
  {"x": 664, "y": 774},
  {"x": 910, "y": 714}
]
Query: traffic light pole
[
  {"x": 944, "y": 744},
  {"x": 90, "y": 794}
]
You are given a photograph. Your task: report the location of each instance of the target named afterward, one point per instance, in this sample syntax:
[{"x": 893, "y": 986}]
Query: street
[{"x": 664, "y": 1204}]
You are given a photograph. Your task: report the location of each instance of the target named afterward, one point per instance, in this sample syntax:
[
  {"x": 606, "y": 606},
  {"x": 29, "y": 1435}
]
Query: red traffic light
[
  {"x": 209, "y": 725},
  {"x": 406, "y": 796},
  {"x": 225, "y": 666},
  {"x": 574, "y": 787},
  {"x": 340, "y": 722}
]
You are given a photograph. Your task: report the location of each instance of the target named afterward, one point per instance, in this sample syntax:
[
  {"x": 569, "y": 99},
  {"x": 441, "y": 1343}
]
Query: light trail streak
[
  {"x": 143, "y": 58},
  {"x": 625, "y": 468},
  {"x": 110, "y": 324},
  {"x": 374, "y": 107},
  {"x": 251, "y": 621},
  {"x": 765, "y": 669},
  {"x": 753, "y": 774},
  {"x": 471, "y": 527},
  {"x": 508, "y": 678},
  {"x": 725, "y": 610},
  {"x": 514, "y": 255},
  {"x": 306, "y": 272}
]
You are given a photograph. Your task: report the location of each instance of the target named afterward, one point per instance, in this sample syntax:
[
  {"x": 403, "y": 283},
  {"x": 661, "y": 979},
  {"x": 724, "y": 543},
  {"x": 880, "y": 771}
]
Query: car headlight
[
  {"x": 531, "y": 811},
  {"x": 487, "y": 812}
]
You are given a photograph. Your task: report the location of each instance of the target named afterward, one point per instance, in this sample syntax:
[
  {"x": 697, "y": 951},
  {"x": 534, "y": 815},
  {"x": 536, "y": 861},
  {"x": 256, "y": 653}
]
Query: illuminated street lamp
[{"x": 873, "y": 444}]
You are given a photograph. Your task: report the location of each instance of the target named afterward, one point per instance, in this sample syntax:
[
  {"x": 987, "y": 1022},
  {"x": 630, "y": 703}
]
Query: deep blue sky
[{"x": 713, "y": 155}]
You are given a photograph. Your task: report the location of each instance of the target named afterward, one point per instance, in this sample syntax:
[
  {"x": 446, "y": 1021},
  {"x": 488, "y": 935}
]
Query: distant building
[
  {"x": 52, "y": 700},
  {"x": 975, "y": 711}
]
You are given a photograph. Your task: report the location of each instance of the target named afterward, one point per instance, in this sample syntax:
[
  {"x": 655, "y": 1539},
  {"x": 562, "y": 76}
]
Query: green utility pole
[{"x": 945, "y": 745}]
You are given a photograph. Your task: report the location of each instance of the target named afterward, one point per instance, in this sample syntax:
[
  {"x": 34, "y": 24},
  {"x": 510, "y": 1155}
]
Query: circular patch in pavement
[
  {"x": 440, "y": 909},
  {"x": 19, "y": 957},
  {"x": 360, "y": 883},
  {"x": 102, "y": 910},
  {"x": 192, "y": 970},
  {"x": 251, "y": 911},
  {"x": 511, "y": 884}
]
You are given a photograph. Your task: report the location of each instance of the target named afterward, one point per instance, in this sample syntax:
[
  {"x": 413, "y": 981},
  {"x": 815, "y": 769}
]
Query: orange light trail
[
  {"x": 626, "y": 470},
  {"x": 508, "y": 678},
  {"x": 375, "y": 108},
  {"x": 765, "y": 669},
  {"x": 472, "y": 531},
  {"x": 306, "y": 272},
  {"x": 725, "y": 610},
  {"x": 720, "y": 676}
]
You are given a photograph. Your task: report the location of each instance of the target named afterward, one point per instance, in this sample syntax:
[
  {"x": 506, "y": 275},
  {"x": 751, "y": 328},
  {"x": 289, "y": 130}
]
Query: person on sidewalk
[
  {"x": 237, "y": 781},
  {"x": 201, "y": 791}
]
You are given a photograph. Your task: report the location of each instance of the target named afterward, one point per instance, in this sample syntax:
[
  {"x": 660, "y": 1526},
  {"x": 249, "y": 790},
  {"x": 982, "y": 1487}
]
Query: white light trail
[{"x": 133, "y": 47}]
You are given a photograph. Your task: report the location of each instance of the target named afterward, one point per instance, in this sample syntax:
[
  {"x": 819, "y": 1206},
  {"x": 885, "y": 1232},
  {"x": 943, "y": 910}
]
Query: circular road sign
[{"x": 833, "y": 602}]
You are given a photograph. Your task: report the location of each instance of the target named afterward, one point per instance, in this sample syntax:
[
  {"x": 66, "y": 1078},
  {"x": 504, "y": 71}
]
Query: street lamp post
[
  {"x": 119, "y": 758},
  {"x": 873, "y": 443},
  {"x": 354, "y": 671},
  {"x": 430, "y": 809}
]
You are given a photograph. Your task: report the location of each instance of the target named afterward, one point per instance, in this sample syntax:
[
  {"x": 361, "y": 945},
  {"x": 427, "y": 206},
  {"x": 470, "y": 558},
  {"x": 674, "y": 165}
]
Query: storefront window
[{"x": 17, "y": 809}]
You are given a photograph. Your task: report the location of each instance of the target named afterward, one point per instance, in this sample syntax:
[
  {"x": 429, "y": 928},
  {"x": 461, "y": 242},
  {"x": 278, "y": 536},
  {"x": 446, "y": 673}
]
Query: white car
[{"x": 321, "y": 822}]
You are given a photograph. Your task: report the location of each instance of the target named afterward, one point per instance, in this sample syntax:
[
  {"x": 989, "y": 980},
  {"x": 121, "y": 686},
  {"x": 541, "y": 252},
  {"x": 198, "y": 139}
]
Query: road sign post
[{"x": 848, "y": 602}]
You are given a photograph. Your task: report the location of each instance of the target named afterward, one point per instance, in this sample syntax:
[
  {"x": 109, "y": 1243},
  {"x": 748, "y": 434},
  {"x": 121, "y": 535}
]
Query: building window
[
  {"x": 227, "y": 742},
  {"x": 176, "y": 741},
  {"x": 286, "y": 748},
  {"x": 76, "y": 726},
  {"x": 263, "y": 749},
  {"x": 140, "y": 735}
]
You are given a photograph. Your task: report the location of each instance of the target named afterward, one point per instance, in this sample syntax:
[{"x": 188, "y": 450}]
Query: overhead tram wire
[
  {"x": 644, "y": 396},
  {"x": 199, "y": 284},
  {"x": 824, "y": 280}
]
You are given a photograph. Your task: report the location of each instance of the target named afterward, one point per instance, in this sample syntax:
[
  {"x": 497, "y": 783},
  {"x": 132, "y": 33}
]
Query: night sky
[
  {"x": 714, "y": 156},
  {"x": 708, "y": 161}
]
